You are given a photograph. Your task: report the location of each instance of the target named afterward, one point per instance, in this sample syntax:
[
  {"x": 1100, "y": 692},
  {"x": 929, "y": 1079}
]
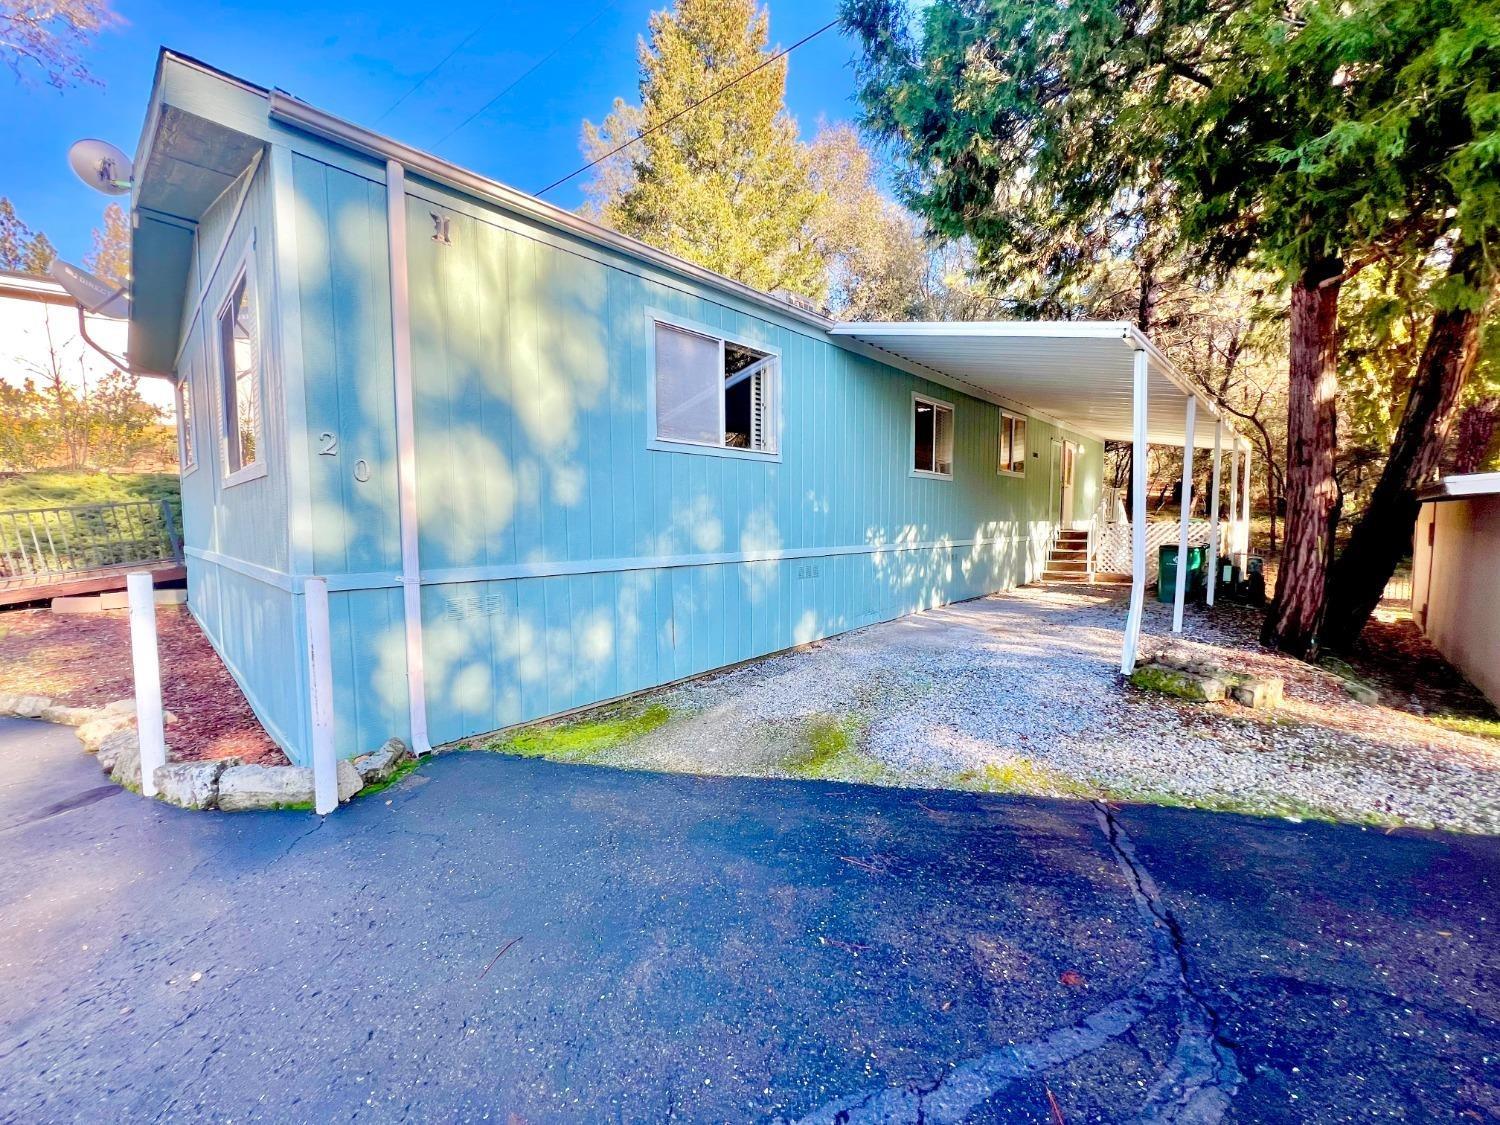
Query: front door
[{"x": 1065, "y": 484}]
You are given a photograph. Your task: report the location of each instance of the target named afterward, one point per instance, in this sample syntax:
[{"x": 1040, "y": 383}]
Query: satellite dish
[
  {"x": 101, "y": 165},
  {"x": 94, "y": 294}
]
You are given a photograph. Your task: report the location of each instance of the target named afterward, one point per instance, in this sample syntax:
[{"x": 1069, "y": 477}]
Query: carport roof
[{"x": 1080, "y": 373}]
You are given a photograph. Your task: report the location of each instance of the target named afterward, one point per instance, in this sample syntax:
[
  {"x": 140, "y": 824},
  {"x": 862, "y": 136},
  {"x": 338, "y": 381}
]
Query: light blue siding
[
  {"x": 566, "y": 562},
  {"x": 255, "y": 624}
]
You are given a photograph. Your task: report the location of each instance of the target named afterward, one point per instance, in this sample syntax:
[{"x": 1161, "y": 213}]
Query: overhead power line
[
  {"x": 518, "y": 79},
  {"x": 464, "y": 42},
  {"x": 781, "y": 54}
]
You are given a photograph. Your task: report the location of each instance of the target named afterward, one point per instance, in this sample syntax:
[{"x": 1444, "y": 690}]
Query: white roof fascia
[
  {"x": 1123, "y": 331},
  {"x": 1463, "y": 486}
]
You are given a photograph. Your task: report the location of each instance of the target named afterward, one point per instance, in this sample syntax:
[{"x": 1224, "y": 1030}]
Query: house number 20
[{"x": 328, "y": 446}]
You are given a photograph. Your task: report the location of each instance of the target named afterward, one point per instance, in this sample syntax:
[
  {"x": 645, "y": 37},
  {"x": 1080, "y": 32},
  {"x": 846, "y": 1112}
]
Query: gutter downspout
[{"x": 406, "y": 455}]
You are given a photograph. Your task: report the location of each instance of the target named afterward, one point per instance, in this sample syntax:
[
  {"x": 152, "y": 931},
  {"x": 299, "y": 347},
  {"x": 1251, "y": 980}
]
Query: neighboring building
[
  {"x": 39, "y": 334},
  {"x": 1455, "y": 575},
  {"x": 541, "y": 465}
]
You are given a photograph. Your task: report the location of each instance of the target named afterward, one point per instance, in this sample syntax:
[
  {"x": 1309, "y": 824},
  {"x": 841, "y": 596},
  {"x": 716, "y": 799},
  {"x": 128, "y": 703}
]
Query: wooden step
[{"x": 1068, "y": 566}]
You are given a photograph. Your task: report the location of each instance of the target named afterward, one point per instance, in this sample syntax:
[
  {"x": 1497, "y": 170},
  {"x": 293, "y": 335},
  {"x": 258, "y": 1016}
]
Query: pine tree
[
  {"x": 111, "y": 255},
  {"x": 22, "y": 248},
  {"x": 727, "y": 184}
]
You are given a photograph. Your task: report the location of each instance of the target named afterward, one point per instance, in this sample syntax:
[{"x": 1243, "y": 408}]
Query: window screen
[
  {"x": 188, "y": 454},
  {"x": 714, "y": 392},
  {"x": 932, "y": 437},
  {"x": 1012, "y": 444},
  {"x": 240, "y": 368},
  {"x": 688, "y": 387}
]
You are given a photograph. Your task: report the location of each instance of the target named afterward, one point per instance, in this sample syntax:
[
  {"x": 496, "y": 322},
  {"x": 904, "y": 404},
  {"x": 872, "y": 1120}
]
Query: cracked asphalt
[{"x": 523, "y": 941}]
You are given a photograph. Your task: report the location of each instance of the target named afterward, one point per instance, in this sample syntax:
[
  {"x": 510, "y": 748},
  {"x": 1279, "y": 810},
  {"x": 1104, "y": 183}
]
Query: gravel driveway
[{"x": 1020, "y": 692}]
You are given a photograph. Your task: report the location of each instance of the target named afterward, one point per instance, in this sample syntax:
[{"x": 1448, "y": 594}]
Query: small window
[
  {"x": 932, "y": 436},
  {"x": 239, "y": 367},
  {"x": 187, "y": 453},
  {"x": 1012, "y": 444},
  {"x": 713, "y": 392}
]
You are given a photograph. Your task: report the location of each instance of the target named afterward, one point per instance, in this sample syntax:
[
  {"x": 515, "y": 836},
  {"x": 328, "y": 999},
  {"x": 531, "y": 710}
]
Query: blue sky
[{"x": 357, "y": 61}]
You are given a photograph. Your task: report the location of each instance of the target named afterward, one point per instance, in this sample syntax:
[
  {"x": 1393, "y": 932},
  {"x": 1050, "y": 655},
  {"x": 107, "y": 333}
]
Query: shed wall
[{"x": 1456, "y": 586}]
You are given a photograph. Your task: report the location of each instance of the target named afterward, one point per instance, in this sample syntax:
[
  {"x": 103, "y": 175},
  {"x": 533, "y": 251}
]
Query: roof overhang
[
  {"x": 1463, "y": 487},
  {"x": 184, "y": 163},
  {"x": 1079, "y": 373}
]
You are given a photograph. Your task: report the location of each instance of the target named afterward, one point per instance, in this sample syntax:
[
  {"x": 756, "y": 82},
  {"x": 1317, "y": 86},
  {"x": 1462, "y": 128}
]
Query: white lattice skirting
[{"x": 1114, "y": 552}]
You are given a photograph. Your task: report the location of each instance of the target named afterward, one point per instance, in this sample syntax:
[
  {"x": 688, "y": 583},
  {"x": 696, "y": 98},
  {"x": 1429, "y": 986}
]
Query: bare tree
[{"x": 46, "y": 36}]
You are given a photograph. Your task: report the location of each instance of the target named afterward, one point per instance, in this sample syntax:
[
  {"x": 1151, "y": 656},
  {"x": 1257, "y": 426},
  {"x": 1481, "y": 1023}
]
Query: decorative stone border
[
  {"x": 1180, "y": 673},
  {"x": 109, "y": 733}
]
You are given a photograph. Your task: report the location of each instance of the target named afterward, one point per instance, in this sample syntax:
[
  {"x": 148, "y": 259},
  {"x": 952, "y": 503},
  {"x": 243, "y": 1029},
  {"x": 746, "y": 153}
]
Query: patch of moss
[
  {"x": 1024, "y": 776},
  {"x": 406, "y": 767},
  {"x": 582, "y": 739},
  {"x": 1468, "y": 724},
  {"x": 1285, "y": 807},
  {"x": 830, "y": 752},
  {"x": 1171, "y": 681},
  {"x": 1357, "y": 686}
]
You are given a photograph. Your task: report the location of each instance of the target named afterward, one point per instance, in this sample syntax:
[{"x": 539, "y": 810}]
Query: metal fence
[
  {"x": 1398, "y": 589},
  {"x": 38, "y": 545}
]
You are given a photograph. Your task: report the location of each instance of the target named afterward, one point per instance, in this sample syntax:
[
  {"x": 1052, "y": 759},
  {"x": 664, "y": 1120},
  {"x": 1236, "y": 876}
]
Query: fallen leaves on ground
[{"x": 84, "y": 661}]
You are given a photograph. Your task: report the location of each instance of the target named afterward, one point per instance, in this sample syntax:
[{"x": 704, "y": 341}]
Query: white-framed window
[
  {"x": 187, "y": 450},
  {"x": 1012, "y": 444},
  {"x": 237, "y": 334},
  {"x": 712, "y": 393},
  {"x": 931, "y": 437}
]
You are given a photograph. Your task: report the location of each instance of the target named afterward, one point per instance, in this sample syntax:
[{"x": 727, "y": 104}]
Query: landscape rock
[
  {"x": 108, "y": 749},
  {"x": 94, "y": 732},
  {"x": 69, "y": 716},
  {"x": 120, "y": 707},
  {"x": 29, "y": 706},
  {"x": 265, "y": 787},
  {"x": 1264, "y": 694},
  {"x": 381, "y": 765},
  {"x": 1180, "y": 683},
  {"x": 127, "y": 761},
  {"x": 192, "y": 785},
  {"x": 1361, "y": 692},
  {"x": 350, "y": 781}
]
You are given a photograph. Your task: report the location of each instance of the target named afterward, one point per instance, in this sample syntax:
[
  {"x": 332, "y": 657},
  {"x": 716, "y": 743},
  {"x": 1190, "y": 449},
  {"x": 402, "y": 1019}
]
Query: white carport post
[
  {"x": 1213, "y": 513},
  {"x": 1184, "y": 513},
  {"x": 320, "y": 696},
  {"x": 1234, "y": 502},
  {"x": 1137, "y": 516},
  {"x": 1245, "y": 516},
  {"x": 140, "y": 592}
]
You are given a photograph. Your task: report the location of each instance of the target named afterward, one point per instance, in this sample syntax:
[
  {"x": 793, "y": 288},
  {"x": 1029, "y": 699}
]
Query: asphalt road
[{"x": 528, "y": 942}]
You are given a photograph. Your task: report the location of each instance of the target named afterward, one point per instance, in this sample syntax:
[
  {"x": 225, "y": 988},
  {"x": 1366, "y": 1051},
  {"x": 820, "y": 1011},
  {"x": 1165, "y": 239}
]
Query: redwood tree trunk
[
  {"x": 1296, "y": 611},
  {"x": 1383, "y": 535}
]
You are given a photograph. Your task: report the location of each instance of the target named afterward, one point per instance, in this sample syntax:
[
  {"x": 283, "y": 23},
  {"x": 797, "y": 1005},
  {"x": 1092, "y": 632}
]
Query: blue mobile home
[{"x": 539, "y": 465}]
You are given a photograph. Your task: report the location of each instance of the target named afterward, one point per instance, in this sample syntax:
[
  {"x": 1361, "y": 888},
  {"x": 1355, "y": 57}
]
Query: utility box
[{"x": 1166, "y": 572}]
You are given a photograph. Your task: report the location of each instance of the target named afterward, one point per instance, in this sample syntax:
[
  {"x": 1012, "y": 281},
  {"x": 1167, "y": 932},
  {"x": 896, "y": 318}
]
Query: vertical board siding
[
  {"x": 531, "y": 366},
  {"x": 531, "y": 370},
  {"x": 343, "y": 277},
  {"x": 255, "y": 627}
]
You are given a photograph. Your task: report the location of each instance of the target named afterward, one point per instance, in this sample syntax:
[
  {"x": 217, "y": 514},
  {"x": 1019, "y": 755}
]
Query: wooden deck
[{"x": 18, "y": 591}]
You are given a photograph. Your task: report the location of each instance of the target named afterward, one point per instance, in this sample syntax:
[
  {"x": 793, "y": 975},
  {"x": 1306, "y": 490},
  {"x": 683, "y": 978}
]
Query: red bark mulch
[{"x": 84, "y": 661}]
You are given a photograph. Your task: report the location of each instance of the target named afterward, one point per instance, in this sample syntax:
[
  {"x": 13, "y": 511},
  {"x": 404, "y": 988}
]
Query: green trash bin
[{"x": 1166, "y": 572}]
